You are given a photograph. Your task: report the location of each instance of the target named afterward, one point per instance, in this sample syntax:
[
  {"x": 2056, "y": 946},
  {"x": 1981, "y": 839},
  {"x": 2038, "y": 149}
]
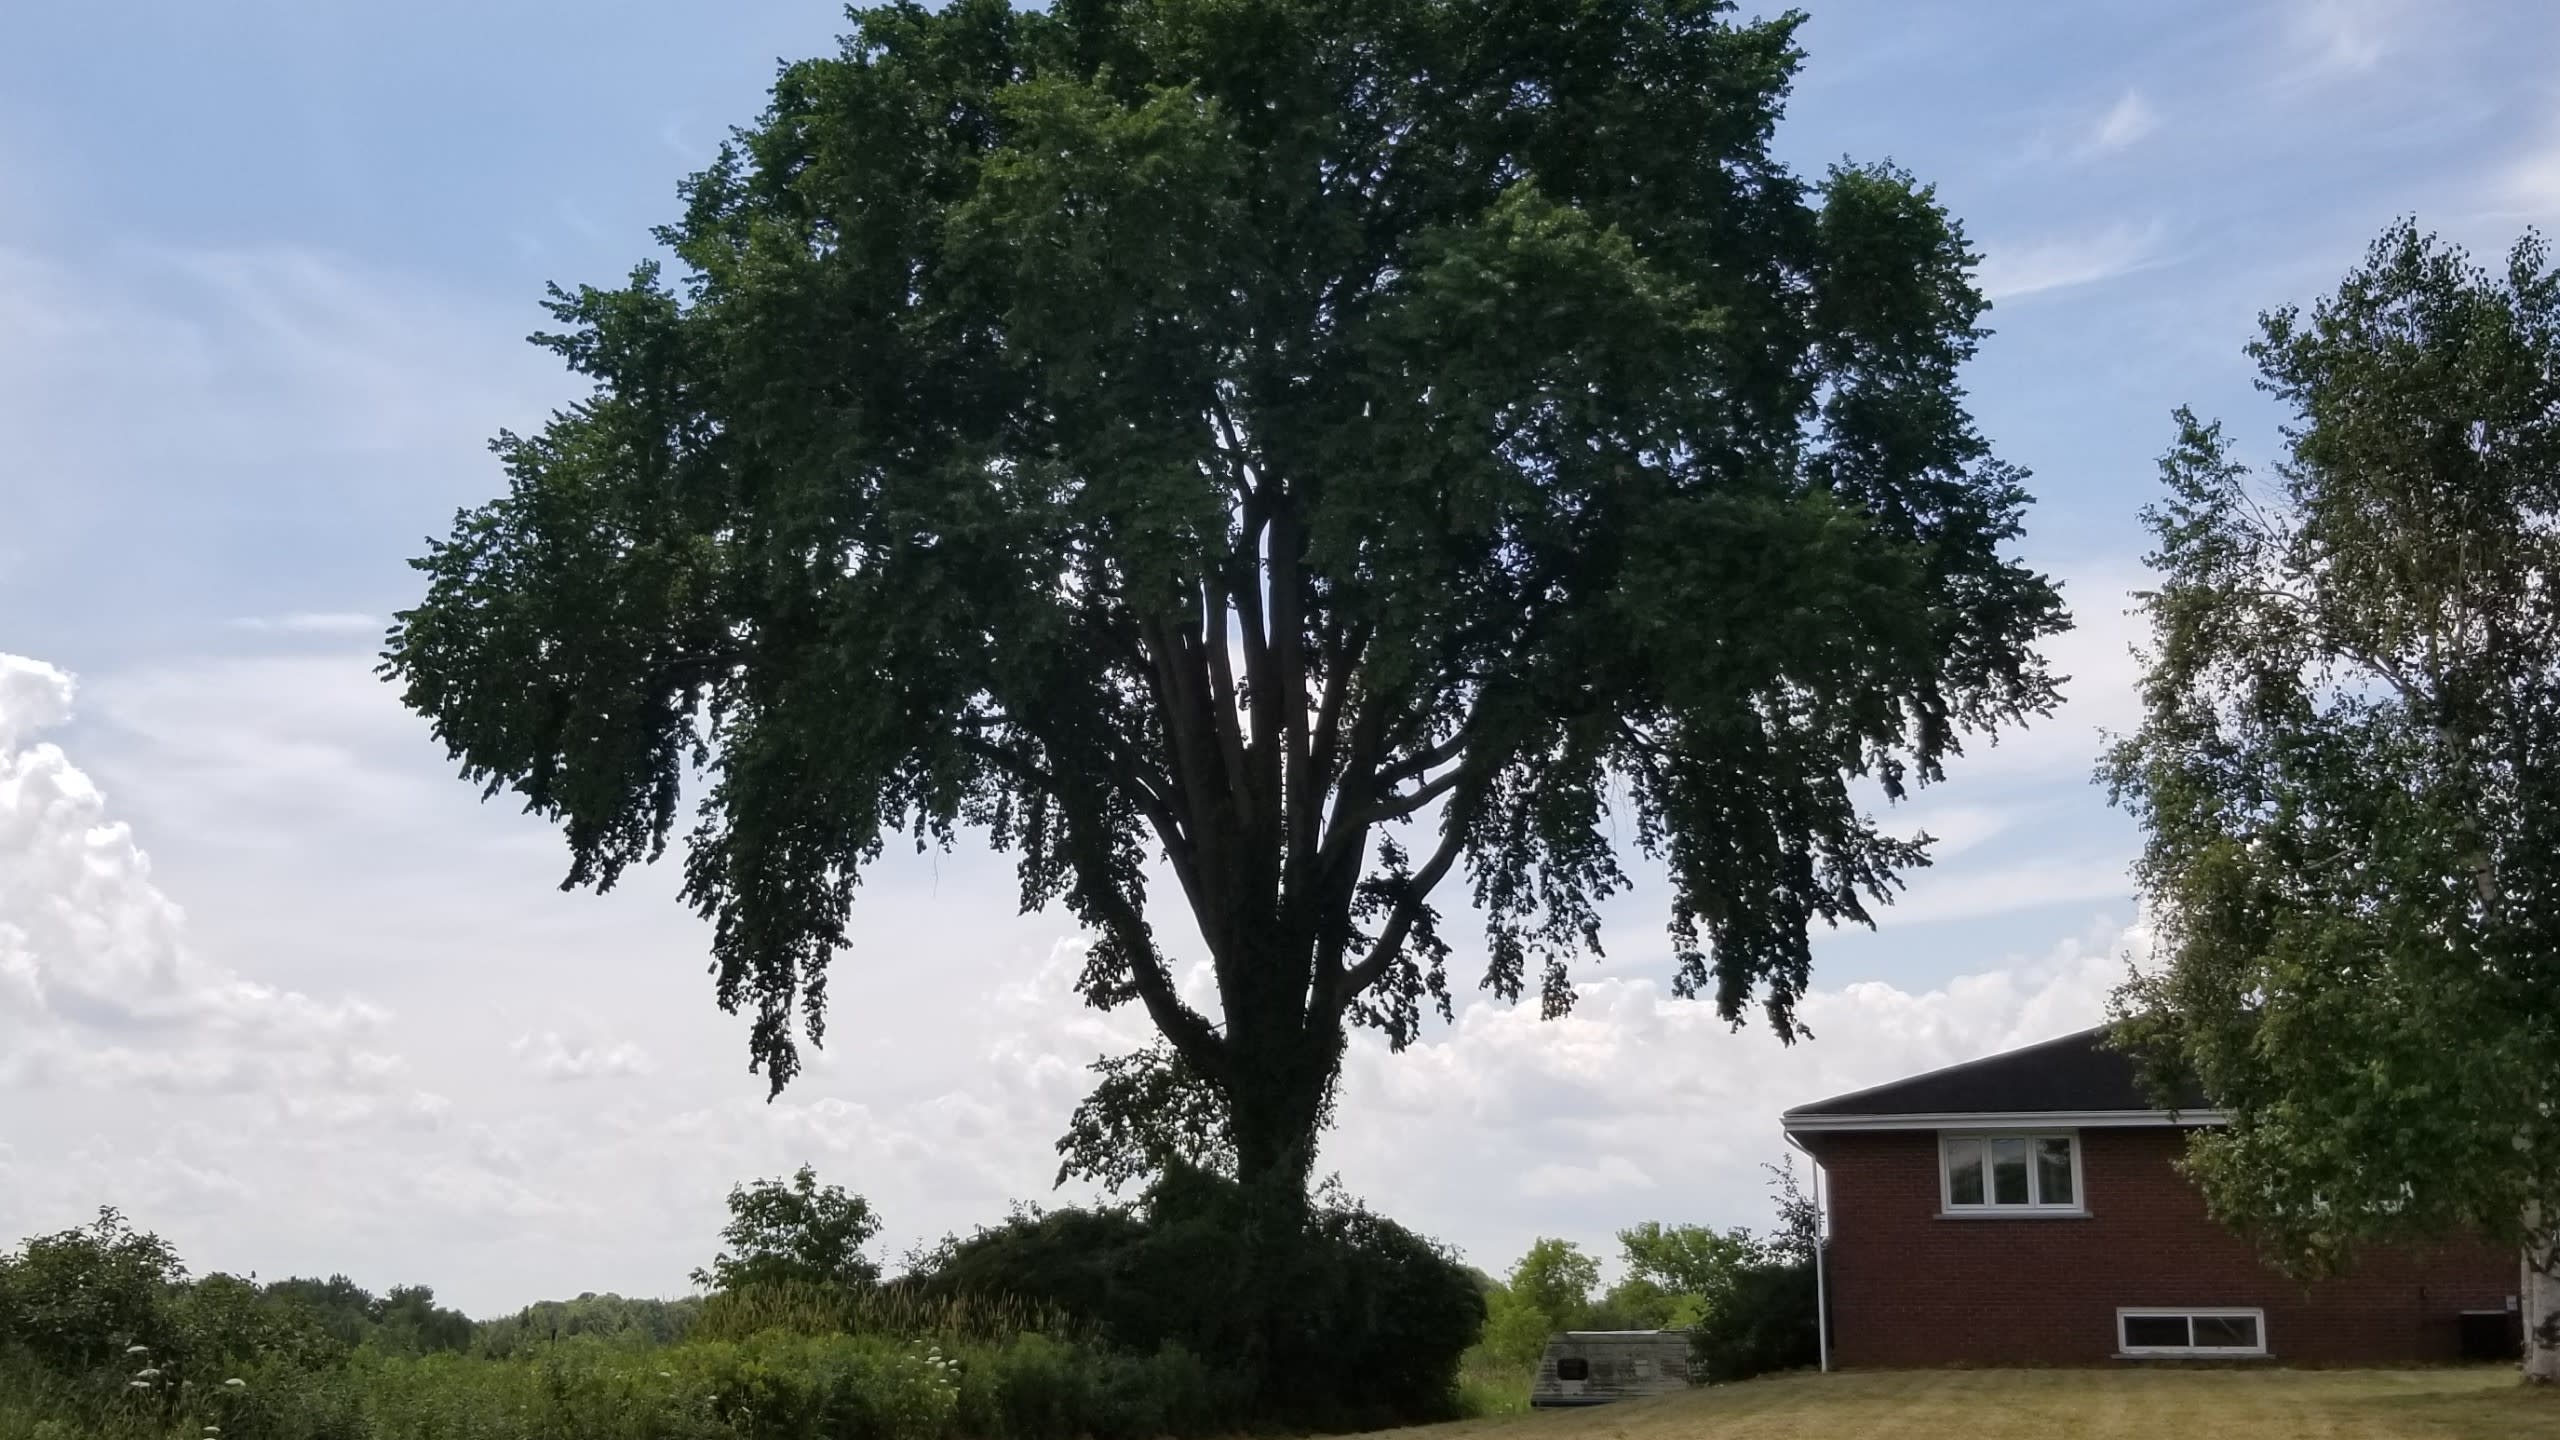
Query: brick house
[{"x": 2024, "y": 1210}]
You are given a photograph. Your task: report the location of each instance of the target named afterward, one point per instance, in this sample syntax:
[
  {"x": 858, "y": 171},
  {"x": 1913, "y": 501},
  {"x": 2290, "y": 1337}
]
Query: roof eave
[{"x": 1796, "y": 1124}]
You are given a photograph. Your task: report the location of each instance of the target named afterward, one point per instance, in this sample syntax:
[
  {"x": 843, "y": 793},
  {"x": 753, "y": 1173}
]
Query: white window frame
[
  {"x": 1947, "y": 1206},
  {"x": 2190, "y": 1313}
]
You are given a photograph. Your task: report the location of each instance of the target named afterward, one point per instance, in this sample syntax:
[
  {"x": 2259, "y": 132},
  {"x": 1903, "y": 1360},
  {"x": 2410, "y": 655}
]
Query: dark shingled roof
[{"x": 2074, "y": 1073}]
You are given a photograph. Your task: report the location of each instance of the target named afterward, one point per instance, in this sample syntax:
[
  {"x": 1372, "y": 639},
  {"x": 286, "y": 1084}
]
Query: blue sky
[{"x": 264, "y": 270}]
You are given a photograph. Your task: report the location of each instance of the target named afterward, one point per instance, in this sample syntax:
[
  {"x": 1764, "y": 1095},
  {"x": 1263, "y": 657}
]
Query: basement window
[
  {"x": 2009, "y": 1174},
  {"x": 2191, "y": 1333}
]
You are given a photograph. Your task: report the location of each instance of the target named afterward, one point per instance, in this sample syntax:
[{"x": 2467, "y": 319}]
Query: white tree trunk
[{"x": 2540, "y": 1300}]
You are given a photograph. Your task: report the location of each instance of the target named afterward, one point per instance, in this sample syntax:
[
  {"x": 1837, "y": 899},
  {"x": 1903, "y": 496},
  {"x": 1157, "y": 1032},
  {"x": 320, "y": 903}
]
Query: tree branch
[
  {"x": 1396, "y": 807},
  {"x": 1400, "y": 921}
]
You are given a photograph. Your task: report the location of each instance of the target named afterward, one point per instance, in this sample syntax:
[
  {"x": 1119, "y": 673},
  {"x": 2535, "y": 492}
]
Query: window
[
  {"x": 1573, "y": 1367},
  {"x": 2191, "y": 1332},
  {"x": 2010, "y": 1172}
]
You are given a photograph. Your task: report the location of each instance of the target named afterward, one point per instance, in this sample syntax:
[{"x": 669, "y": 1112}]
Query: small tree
[
  {"x": 1673, "y": 1269},
  {"x": 2348, "y": 772},
  {"x": 1554, "y": 1280},
  {"x": 1761, "y": 1312},
  {"x": 795, "y": 1231}
]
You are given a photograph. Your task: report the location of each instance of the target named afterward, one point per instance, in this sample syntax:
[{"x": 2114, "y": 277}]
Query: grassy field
[{"x": 2061, "y": 1405}]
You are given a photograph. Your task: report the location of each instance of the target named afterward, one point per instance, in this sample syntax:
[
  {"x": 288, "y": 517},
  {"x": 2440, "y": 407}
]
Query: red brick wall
[{"x": 1909, "y": 1289}]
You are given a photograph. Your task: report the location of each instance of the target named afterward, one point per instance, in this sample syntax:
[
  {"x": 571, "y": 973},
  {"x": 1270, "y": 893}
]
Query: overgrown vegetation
[
  {"x": 1107, "y": 1323},
  {"x": 1104, "y": 1323},
  {"x": 1747, "y": 1299}
]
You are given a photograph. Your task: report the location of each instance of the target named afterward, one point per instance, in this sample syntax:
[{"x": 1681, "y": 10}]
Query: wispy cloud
[
  {"x": 2127, "y": 121},
  {"x": 676, "y": 135},
  {"x": 2079, "y": 138},
  {"x": 2014, "y": 271},
  {"x": 2345, "y": 36},
  {"x": 312, "y": 622}
]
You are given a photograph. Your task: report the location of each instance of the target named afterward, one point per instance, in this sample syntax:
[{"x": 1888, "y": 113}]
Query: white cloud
[
  {"x": 1640, "y": 1105},
  {"x": 2033, "y": 267},
  {"x": 2129, "y": 120},
  {"x": 1945, "y": 892},
  {"x": 2345, "y": 36},
  {"x": 97, "y": 984},
  {"x": 551, "y": 1058},
  {"x": 312, "y": 622}
]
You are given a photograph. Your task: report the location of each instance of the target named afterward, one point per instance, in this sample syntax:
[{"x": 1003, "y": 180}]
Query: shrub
[
  {"x": 1765, "y": 1321},
  {"x": 1371, "y": 1317},
  {"x": 76, "y": 1300}
]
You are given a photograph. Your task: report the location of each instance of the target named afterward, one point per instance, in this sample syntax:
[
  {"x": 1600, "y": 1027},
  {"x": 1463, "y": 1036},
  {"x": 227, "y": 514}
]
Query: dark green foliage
[
  {"x": 794, "y": 1231},
  {"x": 2348, "y": 769},
  {"x": 77, "y": 1300},
  {"x": 404, "y": 1321},
  {"x": 610, "y": 1318},
  {"x": 824, "y": 1361},
  {"x": 345, "y": 1310},
  {"x": 1236, "y": 433},
  {"x": 1761, "y": 1312},
  {"x": 102, "y": 1322},
  {"x": 1762, "y": 1322},
  {"x": 1373, "y": 1318}
]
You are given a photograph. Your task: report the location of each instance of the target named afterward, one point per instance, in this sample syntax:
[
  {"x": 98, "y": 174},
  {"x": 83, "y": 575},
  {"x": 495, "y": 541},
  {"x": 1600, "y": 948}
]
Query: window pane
[
  {"x": 2227, "y": 1332},
  {"x": 2009, "y": 1172},
  {"x": 2155, "y": 1332},
  {"x": 1573, "y": 1367},
  {"x": 1964, "y": 1172},
  {"x": 2053, "y": 1170}
]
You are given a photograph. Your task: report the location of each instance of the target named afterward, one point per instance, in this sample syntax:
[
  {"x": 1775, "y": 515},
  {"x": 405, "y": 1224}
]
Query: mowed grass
[{"x": 2453, "y": 1404}]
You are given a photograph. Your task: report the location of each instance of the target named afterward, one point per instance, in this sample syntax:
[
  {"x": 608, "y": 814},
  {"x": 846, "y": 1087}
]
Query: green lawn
[{"x": 2055, "y": 1404}]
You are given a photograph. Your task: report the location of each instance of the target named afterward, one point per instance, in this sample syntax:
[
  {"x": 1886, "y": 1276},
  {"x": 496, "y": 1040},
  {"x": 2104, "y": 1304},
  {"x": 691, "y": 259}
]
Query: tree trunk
[
  {"x": 2539, "y": 1298},
  {"x": 1275, "y": 1104}
]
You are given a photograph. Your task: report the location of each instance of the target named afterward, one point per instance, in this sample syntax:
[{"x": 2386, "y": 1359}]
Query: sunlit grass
[{"x": 2454, "y": 1404}]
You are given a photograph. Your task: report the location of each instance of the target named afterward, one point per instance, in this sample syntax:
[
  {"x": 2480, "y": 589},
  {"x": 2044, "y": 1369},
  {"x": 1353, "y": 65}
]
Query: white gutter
[
  {"x": 2005, "y": 1120},
  {"x": 1821, "y": 1234}
]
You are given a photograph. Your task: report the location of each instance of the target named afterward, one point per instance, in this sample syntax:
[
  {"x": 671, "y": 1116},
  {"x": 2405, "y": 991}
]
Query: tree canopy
[
  {"x": 795, "y": 1231},
  {"x": 1317, "y": 448},
  {"x": 2349, "y": 767}
]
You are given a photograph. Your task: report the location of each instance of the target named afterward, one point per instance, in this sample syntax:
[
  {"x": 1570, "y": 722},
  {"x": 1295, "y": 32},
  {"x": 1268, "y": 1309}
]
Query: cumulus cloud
[
  {"x": 97, "y": 985},
  {"x": 551, "y": 1058},
  {"x": 1640, "y": 1105}
]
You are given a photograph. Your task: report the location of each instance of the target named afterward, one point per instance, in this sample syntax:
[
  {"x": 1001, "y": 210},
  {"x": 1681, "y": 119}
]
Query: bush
[
  {"x": 1765, "y": 1321},
  {"x": 1367, "y": 1320},
  {"x": 1038, "y": 1388},
  {"x": 76, "y": 1300}
]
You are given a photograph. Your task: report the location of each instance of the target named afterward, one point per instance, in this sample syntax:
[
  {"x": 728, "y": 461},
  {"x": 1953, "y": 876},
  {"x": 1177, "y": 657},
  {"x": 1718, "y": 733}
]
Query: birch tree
[{"x": 2349, "y": 773}]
